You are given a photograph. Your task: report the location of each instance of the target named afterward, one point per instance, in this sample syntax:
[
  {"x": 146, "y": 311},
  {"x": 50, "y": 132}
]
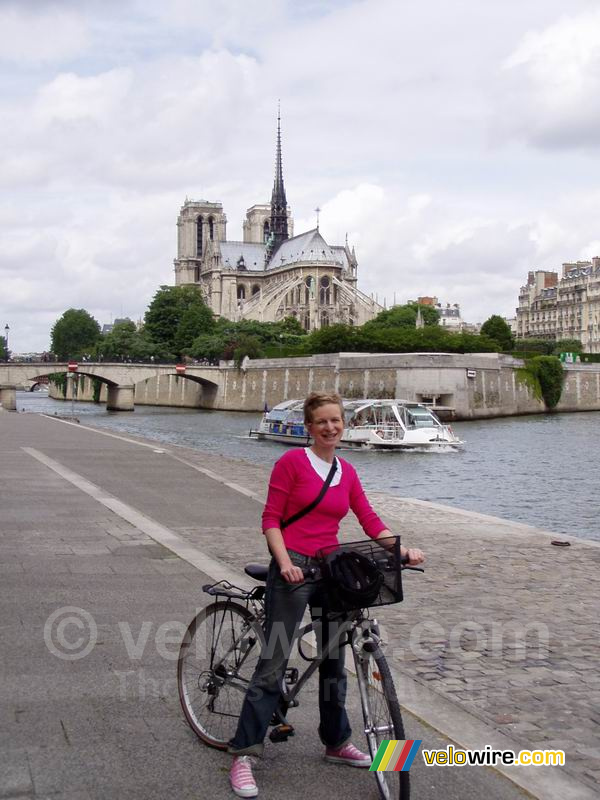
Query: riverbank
[{"x": 496, "y": 644}]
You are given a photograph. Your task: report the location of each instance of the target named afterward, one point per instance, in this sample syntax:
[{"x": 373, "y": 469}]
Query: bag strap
[{"x": 307, "y": 509}]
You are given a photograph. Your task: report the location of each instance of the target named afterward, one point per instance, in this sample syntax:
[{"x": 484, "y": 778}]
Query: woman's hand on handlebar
[
  {"x": 292, "y": 574},
  {"x": 412, "y": 556}
]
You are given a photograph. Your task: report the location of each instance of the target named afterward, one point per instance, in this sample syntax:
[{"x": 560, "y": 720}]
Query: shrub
[{"x": 545, "y": 375}]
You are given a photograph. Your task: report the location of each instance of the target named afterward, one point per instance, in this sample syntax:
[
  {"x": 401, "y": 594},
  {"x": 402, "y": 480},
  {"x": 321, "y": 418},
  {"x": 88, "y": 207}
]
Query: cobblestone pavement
[{"x": 503, "y": 623}]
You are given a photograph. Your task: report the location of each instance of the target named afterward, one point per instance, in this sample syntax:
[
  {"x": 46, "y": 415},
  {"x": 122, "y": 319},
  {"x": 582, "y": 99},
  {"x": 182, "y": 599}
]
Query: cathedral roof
[
  {"x": 253, "y": 255},
  {"x": 309, "y": 246},
  {"x": 306, "y": 247}
]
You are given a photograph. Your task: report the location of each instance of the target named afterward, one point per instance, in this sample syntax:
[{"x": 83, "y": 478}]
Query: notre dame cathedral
[{"x": 271, "y": 274}]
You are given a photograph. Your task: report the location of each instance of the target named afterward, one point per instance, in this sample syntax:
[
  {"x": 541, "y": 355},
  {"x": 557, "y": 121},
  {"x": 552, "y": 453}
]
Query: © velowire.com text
[{"x": 488, "y": 757}]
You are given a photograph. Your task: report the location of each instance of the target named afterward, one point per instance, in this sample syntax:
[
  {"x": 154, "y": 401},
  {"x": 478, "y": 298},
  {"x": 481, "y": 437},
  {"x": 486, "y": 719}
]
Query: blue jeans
[{"x": 285, "y": 605}]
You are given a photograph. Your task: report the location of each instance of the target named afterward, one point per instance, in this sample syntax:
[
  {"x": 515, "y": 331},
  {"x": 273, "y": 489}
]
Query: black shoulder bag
[{"x": 307, "y": 509}]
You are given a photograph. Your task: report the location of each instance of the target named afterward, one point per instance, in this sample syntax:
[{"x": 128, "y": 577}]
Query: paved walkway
[{"x": 496, "y": 644}]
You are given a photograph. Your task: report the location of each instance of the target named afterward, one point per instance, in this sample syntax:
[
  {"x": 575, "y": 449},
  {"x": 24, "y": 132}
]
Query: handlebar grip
[{"x": 310, "y": 572}]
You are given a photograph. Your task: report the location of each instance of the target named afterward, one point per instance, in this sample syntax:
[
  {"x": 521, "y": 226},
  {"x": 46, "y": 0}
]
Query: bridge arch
[
  {"x": 121, "y": 379},
  {"x": 210, "y": 388}
]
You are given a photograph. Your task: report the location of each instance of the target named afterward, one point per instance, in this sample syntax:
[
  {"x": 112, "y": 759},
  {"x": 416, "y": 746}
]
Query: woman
[{"x": 296, "y": 481}]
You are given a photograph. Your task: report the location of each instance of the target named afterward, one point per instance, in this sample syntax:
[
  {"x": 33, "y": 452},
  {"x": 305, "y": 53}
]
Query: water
[{"x": 540, "y": 470}]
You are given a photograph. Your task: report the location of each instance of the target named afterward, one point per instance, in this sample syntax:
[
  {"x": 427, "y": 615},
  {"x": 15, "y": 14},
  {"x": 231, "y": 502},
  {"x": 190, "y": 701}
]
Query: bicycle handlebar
[{"x": 314, "y": 572}]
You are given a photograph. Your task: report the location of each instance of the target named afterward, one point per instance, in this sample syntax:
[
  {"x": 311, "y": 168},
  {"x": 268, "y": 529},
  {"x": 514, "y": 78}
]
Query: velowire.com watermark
[{"x": 70, "y": 633}]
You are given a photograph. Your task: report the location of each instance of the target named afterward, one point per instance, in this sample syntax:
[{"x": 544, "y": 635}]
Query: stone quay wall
[{"x": 469, "y": 386}]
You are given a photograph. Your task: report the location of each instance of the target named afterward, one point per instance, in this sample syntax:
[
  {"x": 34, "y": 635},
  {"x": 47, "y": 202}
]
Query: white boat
[{"x": 369, "y": 425}]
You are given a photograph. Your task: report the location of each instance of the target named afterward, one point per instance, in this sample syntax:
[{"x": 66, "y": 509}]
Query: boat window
[{"x": 420, "y": 418}]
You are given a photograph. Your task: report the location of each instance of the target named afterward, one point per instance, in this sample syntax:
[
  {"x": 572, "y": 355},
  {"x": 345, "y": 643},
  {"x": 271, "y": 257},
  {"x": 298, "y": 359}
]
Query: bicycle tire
[
  {"x": 382, "y": 717},
  {"x": 216, "y": 660}
]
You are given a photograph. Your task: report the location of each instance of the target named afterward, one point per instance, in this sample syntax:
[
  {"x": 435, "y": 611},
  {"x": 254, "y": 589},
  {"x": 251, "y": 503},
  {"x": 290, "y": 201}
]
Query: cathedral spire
[{"x": 279, "y": 225}]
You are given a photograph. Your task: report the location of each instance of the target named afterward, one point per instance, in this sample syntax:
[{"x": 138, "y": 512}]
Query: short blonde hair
[{"x": 317, "y": 399}]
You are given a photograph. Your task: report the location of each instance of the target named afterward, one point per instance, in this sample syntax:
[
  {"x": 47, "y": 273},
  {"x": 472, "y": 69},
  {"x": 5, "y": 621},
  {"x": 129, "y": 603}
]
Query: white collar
[{"x": 322, "y": 467}]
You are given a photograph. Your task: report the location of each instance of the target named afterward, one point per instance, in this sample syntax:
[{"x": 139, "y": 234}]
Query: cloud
[
  {"x": 33, "y": 35},
  {"x": 551, "y": 85},
  {"x": 386, "y": 111}
]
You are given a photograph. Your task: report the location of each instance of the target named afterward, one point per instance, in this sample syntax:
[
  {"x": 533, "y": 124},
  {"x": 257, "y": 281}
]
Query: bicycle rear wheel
[
  {"x": 382, "y": 717},
  {"x": 217, "y": 659}
]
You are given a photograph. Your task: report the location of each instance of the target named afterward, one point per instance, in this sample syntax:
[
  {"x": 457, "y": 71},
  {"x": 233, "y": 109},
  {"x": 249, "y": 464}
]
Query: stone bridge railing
[{"x": 120, "y": 379}]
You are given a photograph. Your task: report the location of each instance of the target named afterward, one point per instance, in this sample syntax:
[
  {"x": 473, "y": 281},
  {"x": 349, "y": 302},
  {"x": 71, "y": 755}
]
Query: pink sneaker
[
  {"x": 241, "y": 778},
  {"x": 347, "y": 754}
]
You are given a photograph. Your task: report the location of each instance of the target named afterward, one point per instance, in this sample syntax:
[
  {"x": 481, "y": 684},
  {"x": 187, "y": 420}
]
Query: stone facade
[
  {"x": 271, "y": 274},
  {"x": 565, "y": 308}
]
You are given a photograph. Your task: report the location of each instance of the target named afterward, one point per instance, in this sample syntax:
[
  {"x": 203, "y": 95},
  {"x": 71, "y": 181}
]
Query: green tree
[
  {"x": 208, "y": 345},
  {"x": 126, "y": 341},
  {"x": 247, "y": 346},
  {"x": 499, "y": 330},
  {"x": 541, "y": 346},
  {"x": 168, "y": 310},
  {"x": 194, "y": 321},
  {"x": 567, "y": 346},
  {"x": 3, "y": 350},
  {"x": 74, "y": 334},
  {"x": 291, "y": 326},
  {"x": 405, "y": 316},
  {"x": 332, "y": 339}
]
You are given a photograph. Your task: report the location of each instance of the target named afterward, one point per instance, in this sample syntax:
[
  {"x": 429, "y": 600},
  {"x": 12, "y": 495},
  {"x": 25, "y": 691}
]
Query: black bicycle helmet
[{"x": 354, "y": 579}]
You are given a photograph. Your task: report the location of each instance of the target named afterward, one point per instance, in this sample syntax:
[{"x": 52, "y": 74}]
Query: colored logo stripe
[{"x": 395, "y": 755}]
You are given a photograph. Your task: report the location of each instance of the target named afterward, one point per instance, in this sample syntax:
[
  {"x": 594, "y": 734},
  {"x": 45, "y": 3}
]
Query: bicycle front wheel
[
  {"x": 382, "y": 717},
  {"x": 217, "y": 659}
]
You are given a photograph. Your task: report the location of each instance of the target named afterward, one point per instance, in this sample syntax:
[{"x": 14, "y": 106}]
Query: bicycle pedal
[
  {"x": 281, "y": 733},
  {"x": 291, "y": 675}
]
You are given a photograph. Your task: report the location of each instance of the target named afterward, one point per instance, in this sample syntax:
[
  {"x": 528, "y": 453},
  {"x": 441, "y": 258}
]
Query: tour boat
[{"x": 369, "y": 425}]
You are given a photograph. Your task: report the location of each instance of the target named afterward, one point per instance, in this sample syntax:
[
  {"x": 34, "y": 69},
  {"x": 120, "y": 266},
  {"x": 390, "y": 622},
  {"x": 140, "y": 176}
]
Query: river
[{"x": 540, "y": 470}]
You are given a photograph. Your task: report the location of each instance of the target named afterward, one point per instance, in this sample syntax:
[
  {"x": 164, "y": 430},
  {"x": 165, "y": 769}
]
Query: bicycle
[{"x": 222, "y": 644}]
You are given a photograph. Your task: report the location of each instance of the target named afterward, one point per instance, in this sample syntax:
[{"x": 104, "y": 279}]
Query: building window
[
  {"x": 211, "y": 228},
  {"x": 309, "y": 290},
  {"x": 255, "y": 289},
  {"x": 325, "y": 291},
  {"x": 241, "y": 292},
  {"x": 199, "y": 223},
  {"x": 324, "y": 319},
  {"x": 266, "y": 230}
]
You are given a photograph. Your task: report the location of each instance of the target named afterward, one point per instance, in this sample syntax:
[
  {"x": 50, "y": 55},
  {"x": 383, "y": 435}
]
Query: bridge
[{"x": 120, "y": 379}]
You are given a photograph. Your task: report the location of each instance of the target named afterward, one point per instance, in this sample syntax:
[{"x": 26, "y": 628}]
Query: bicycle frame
[{"x": 348, "y": 623}]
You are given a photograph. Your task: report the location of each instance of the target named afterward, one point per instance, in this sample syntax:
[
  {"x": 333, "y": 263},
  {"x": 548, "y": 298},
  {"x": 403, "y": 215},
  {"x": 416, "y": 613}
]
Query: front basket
[{"x": 362, "y": 574}]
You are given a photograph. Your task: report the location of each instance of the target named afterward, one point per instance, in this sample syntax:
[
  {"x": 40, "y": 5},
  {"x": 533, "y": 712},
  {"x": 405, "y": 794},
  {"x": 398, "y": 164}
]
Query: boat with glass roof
[{"x": 369, "y": 425}]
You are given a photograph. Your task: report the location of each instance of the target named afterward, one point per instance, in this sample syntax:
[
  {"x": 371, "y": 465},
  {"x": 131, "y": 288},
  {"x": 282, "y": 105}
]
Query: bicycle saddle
[{"x": 257, "y": 571}]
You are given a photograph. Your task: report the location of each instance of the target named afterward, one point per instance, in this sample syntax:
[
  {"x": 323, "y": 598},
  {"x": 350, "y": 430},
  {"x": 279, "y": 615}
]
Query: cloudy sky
[{"x": 456, "y": 142}]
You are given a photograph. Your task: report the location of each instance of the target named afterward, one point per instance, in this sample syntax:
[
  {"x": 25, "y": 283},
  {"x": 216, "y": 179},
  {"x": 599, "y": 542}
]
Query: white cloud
[
  {"x": 552, "y": 89},
  {"x": 34, "y": 35},
  {"x": 112, "y": 113}
]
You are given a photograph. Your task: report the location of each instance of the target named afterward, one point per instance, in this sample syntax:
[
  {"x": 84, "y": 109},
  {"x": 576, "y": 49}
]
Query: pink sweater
[{"x": 294, "y": 484}]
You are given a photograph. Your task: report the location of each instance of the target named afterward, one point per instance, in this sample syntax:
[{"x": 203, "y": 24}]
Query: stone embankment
[
  {"x": 497, "y": 644},
  {"x": 464, "y": 386}
]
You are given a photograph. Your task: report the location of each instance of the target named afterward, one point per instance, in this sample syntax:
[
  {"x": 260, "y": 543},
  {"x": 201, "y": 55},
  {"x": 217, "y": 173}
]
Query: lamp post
[{"x": 6, "y": 332}]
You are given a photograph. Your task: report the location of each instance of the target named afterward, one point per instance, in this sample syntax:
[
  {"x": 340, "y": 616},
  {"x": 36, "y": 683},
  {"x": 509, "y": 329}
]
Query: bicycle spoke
[
  {"x": 217, "y": 660},
  {"x": 382, "y": 718}
]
